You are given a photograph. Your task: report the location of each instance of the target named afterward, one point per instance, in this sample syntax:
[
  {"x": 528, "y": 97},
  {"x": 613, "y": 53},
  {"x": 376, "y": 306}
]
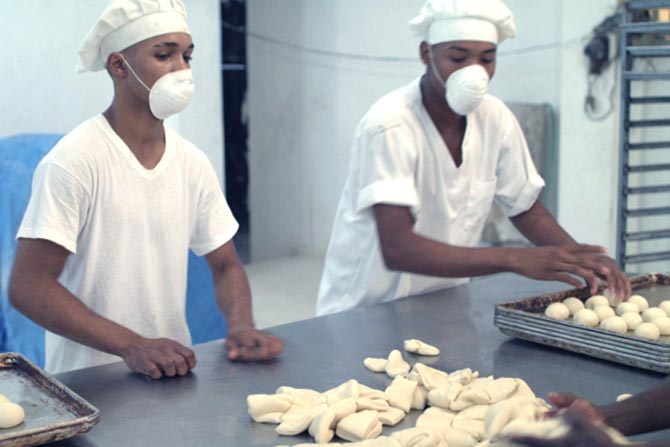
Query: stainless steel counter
[{"x": 208, "y": 407}]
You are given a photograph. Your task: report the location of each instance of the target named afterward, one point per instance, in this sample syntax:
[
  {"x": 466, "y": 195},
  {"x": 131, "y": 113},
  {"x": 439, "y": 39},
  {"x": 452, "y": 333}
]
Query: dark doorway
[{"x": 234, "y": 76}]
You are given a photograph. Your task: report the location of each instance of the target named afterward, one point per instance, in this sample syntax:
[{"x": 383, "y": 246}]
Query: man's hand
[
  {"x": 248, "y": 344},
  {"x": 560, "y": 263},
  {"x": 583, "y": 433},
  {"x": 159, "y": 357},
  {"x": 578, "y": 405}
]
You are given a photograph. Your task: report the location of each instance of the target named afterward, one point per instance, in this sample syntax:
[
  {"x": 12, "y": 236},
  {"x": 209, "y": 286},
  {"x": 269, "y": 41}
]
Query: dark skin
[
  {"x": 557, "y": 256},
  {"x": 34, "y": 288},
  {"x": 643, "y": 413}
]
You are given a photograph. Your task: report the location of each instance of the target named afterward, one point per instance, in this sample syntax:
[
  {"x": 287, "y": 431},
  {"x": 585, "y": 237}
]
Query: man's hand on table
[
  {"x": 245, "y": 343},
  {"x": 159, "y": 357}
]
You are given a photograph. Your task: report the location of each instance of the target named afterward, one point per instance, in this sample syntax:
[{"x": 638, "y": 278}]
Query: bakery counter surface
[{"x": 208, "y": 407}]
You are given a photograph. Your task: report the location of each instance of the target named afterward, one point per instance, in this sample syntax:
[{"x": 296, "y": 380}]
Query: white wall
[
  {"x": 41, "y": 93},
  {"x": 304, "y": 106}
]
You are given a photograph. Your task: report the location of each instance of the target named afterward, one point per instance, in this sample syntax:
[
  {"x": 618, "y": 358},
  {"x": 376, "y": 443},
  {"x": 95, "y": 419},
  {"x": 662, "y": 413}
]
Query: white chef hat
[
  {"x": 126, "y": 22},
  {"x": 450, "y": 20}
]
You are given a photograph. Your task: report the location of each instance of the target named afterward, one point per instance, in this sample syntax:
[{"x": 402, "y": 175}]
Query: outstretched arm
[
  {"x": 233, "y": 296},
  {"x": 404, "y": 250},
  {"x": 35, "y": 291}
]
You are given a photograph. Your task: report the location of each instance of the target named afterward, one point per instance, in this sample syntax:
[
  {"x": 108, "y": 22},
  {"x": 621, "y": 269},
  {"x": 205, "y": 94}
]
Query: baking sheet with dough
[
  {"x": 525, "y": 319},
  {"x": 53, "y": 411}
]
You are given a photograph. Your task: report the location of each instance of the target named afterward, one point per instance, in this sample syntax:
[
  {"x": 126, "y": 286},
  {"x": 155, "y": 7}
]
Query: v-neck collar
[
  {"x": 130, "y": 156},
  {"x": 438, "y": 143}
]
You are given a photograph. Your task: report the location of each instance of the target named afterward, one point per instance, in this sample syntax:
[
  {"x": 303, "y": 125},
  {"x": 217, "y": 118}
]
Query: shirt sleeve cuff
[
  {"x": 391, "y": 192},
  {"x": 526, "y": 198},
  {"x": 223, "y": 238}
]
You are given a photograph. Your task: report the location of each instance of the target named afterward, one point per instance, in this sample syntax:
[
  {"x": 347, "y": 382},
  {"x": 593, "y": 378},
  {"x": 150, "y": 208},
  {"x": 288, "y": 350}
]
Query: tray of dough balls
[
  {"x": 635, "y": 332},
  {"x": 35, "y": 408}
]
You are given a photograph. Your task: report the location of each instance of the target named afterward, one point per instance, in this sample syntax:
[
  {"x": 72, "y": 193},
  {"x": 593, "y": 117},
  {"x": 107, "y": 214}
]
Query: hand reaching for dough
[
  {"x": 159, "y": 357},
  {"x": 560, "y": 263},
  {"x": 568, "y": 401},
  {"x": 248, "y": 344},
  {"x": 583, "y": 433}
]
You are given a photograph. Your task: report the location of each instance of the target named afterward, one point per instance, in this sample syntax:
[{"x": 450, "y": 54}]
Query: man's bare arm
[
  {"x": 233, "y": 296},
  {"x": 404, "y": 250},
  {"x": 36, "y": 292}
]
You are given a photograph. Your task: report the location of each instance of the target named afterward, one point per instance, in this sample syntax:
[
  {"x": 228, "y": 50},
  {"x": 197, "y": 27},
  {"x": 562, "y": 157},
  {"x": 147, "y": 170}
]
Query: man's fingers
[
  {"x": 188, "y": 355},
  {"x": 561, "y": 400},
  {"x": 152, "y": 371}
]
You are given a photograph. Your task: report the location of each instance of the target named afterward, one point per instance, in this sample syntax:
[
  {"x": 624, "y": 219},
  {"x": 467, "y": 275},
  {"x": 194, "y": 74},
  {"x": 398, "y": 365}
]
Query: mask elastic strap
[
  {"x": 432, "y": 64},
  {"x": 133, "y": 72}
]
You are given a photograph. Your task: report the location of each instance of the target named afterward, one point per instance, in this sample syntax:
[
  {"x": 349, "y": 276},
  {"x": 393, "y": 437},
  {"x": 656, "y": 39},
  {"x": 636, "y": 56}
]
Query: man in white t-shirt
[
  {"x": 427, "y": 162},
  {"x": 102, "y": 251}
]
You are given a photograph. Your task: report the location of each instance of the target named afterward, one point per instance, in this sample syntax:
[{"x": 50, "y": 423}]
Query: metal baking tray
[
  {"x": 53, "y": 411},
  {"x": 525, "y": 319}
]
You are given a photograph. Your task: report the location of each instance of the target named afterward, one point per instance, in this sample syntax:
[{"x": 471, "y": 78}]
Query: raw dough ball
[
  {"x": 626, "y": 307},
  {"x": 652, "y": 313},
  {"x": 3, "y": 398},
  {"x": 632, "y": 319},
  {"x": 558, "y": 311},
  {"x": 663, "y": 324},
  {"x": 665, "y": 305},
  {"x": 586, "y": 317},
  {"x": 604, "y": 312},
  {"x": 640, "y": 301},
  {"x": 11, "y": 414},
  {"x": 648, "y": 330},
  {"x": 597, "y": 300},
  {"x": 615, "y": 324},
  {"x": 574, "y": 304}
]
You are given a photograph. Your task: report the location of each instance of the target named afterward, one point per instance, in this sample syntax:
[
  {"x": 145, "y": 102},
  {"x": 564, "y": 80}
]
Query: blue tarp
[{"x": 19, "y": 155}]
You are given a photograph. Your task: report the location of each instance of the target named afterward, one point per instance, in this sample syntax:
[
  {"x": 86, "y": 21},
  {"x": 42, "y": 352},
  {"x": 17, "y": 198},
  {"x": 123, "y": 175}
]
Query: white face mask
[
  {"x": 170, "y": 94},
  {"x": 465, "y": 88}
]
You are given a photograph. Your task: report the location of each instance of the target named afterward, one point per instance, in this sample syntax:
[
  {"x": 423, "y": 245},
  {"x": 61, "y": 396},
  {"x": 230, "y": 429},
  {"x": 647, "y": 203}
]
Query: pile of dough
[
  {"x": 573, "y": 304},
  {"x": 11, "y": 414},
  {"x": 465, "y": 410},
  {"x": 558, "y": 311},
  {"x": 419, "y": 347}
]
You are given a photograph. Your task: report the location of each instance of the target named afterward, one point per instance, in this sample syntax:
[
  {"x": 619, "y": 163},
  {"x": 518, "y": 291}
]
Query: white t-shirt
[
  {"x": 129, "y": 230},
  {"x": 399, "y": 158}
]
